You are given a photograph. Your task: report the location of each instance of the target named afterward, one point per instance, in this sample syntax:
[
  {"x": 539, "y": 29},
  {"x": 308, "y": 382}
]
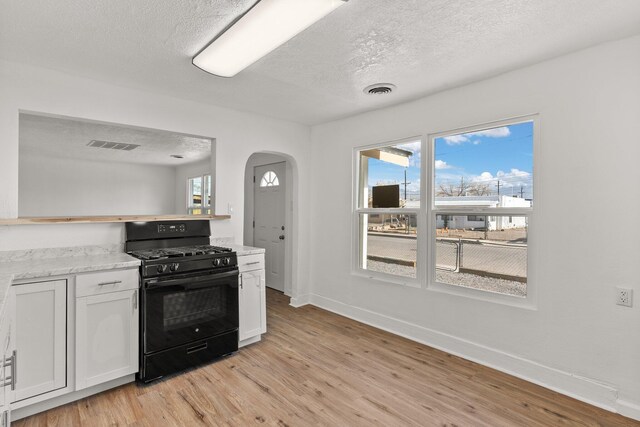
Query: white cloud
[
  {"x": 455, "y": 139},
  {"x": 441, "y": 164},
  {"x": 500, "y": 132},
  {"x": 414, "y": 147},
  {"x": 485, "y": 176}
]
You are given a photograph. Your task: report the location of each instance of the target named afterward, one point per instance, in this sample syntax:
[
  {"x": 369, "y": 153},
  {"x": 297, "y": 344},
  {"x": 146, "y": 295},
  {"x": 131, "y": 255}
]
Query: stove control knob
[
  {"x": 216, "y": 262},
  {"x": 162, "y": 268},
  {"x": 174, "y": 266},
  {"x": 226, "y": 261}
]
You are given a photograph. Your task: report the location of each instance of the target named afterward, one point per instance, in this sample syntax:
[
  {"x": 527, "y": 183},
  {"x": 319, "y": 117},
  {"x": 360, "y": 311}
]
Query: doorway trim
[{"x": 291, "y": 213}]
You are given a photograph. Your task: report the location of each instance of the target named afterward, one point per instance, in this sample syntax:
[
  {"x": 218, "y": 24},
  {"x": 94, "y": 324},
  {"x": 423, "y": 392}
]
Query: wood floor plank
[{"x": 315, "y": 368}]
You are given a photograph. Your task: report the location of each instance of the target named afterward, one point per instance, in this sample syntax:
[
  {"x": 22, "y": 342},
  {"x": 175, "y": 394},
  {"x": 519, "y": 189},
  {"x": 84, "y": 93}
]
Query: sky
[{"x": 502, "y": 154}]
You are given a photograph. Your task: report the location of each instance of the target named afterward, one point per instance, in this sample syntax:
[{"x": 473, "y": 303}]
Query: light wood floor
[{"x": 317, "y": 368}]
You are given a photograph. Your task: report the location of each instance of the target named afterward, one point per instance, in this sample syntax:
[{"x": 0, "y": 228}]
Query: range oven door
[{"x": 182, "y": 309}]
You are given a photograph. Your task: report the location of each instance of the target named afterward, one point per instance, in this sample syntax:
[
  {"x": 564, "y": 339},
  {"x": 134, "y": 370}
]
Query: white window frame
[
  {"x": 426, "y": 219},
  {"x": 204, "y": 208},
  {"x": 529, "y": 301},
  {"x": 356, "y": 269}
]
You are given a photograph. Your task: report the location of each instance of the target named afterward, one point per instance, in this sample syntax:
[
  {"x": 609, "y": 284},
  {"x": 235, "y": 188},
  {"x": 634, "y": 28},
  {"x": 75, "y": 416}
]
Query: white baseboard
[
  {"x": 596, "y": 393},
  {"x": 249, "y": 341},
  {"x": 628, "y": 409},
  {"x": 300, "y": 301}
]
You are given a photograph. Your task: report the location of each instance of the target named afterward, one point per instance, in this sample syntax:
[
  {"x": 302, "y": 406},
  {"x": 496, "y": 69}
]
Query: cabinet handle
[
  {"x": 12, "y": 362},
  {"x": 253, "y": 263},
  {"x": 110, "y": 283},
  {"x": 135, "y": 300},
  {"x": 14, "y": 369}
]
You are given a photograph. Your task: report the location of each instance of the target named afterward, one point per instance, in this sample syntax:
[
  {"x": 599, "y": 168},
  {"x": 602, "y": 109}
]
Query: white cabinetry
[
  {"x": 106, "y": 326},
  {"x": 252, "y": 297},
  {"x": 41, "y": 337},
  {"x": 8, "y": 360}
]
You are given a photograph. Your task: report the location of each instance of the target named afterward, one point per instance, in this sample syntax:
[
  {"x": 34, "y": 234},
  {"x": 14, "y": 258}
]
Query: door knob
[{"x": 281, "y": 237}]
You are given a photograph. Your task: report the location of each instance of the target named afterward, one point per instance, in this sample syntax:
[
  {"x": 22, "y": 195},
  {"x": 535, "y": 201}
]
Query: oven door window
[{"x": 189, "y": 309}]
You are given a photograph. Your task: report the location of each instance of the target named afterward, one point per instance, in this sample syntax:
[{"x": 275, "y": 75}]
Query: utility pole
[
  {"x": 522, "y": 191},
  {"x": 498, "y": 187},
  {"x": 405, "y": 186}
]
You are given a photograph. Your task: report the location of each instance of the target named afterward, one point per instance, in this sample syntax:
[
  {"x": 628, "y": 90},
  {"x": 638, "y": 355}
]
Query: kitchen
[{"x": 314, "y": 140}]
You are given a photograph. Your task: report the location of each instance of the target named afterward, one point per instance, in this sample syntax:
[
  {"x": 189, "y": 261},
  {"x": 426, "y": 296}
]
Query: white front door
[{"x": 269, "y": 216}]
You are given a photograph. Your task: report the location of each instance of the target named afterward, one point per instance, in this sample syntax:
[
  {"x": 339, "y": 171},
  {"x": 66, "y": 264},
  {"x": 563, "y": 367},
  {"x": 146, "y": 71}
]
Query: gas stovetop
[{"x": 179, "y": 252}]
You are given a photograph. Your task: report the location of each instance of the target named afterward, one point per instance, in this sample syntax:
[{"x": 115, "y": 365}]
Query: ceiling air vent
[
  {"x": 112, "y": 145},
  {"x": 379, "y": 89}
]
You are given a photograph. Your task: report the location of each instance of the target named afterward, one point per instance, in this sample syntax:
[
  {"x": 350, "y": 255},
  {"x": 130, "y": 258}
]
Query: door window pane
[{"x": 269, "y": 179}]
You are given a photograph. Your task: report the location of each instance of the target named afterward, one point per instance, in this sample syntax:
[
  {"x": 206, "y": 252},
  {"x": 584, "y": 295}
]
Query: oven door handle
[{"x": 192, "y": 282}]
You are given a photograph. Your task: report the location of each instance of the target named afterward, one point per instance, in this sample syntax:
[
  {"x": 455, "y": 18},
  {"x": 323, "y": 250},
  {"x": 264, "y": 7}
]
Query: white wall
[
  {"x": 54, "y": 186},
  {"x": 576, "y": 339},
  {"x": 238, "y": 135}
]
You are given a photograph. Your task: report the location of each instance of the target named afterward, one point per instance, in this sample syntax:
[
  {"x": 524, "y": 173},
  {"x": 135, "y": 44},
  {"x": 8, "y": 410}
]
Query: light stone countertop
[
  {"x": 59, "y": 266},
  {"x": 244, "y": 250}
]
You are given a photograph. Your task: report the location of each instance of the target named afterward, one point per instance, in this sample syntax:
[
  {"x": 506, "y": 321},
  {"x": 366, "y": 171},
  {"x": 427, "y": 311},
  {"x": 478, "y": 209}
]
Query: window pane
[
  {"x": 207, "y": 190},
  {"x": 269, "y": 179},
  {"x": 490, "y": 256},
  {"x": 390, "y": 176},
  {"x": 388, "y": 243},
  {"x": 486, "y": 168},
  {"x": 195, "y": 192}
]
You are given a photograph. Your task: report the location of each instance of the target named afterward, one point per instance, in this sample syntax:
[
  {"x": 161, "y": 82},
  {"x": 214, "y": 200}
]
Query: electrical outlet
[{"x": 624, "y": 297}]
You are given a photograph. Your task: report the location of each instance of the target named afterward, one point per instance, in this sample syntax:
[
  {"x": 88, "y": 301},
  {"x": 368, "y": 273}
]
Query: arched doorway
[{"x": 270, "y": 215}]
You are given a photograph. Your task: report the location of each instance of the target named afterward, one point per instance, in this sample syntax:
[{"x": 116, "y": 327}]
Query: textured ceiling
[
  {"x": 68, "y": 138},
  {"x": 422, "y": 46}
]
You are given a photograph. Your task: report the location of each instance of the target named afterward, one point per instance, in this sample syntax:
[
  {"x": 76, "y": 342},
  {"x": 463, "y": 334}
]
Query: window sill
[
  {"x": 526, "y": 303},
  {"x": 387, "y": 278}
]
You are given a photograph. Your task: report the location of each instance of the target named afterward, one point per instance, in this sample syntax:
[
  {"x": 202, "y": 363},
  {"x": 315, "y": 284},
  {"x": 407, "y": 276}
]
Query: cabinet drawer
[
  {"x": 103, "y": 282},
  {"x": 251, "y": 262}
]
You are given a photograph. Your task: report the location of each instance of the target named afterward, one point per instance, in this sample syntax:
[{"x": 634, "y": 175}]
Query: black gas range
[{"x": 188, "y": 294}]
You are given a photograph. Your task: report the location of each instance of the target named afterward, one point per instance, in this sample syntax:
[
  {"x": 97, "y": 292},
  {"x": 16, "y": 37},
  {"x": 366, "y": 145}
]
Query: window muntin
[
  {"x": 199, "y": 195},
  {"x": 388, "y": 201},
  {"x": 269, "y": 179}
]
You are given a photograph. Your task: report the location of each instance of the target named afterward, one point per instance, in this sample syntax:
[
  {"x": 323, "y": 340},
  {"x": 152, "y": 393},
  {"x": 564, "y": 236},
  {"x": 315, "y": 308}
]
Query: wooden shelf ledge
[{"x": 112, "y": 218}]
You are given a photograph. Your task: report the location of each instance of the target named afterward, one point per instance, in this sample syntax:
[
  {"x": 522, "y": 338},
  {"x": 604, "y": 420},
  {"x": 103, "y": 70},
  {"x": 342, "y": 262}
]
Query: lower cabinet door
[
  {"x": 106, "y": 337},
  {"x": 41, "y": 343},
  {"x": 253, "y": 317}
]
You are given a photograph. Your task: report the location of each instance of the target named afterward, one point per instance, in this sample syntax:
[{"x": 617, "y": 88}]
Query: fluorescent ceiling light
[{"x": 267, "y": 25}]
